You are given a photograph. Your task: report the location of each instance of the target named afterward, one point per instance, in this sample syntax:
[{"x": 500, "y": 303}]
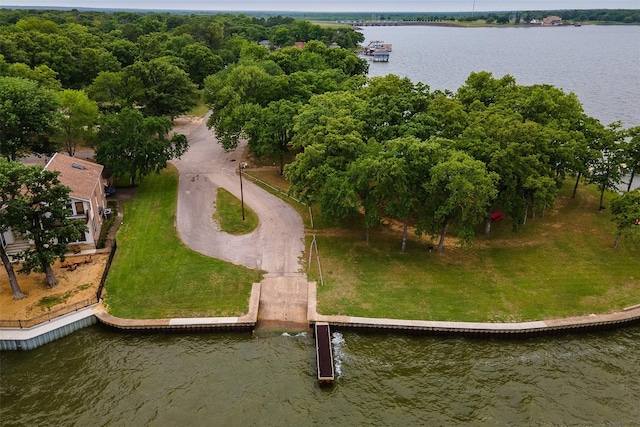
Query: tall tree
[
  {"x": 129, "y": 143},
  {"x": 459, "y": 193},
  {"x": 40, "y": 211},
  {"x": 78, "y": 117},
  {"x": 236, "y": 94},
  {"x": 201, "y": 62},
  {"x": 607, "y": 169},
  {"x": 166, "y": 89},
  {"x": 271, "y": 130},
  {"x": 632, "y": 154},
  {"x": 28, "y": 114},
  {"x": 626, "y": 214},
  {"x": 9, "y": 187},
  {"x": 403, "y": 165}
]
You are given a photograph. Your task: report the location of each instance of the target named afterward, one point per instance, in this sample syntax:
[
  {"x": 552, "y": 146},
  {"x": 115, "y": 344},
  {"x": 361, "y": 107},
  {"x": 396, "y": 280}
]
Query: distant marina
[{"x": 377, "y": 51}]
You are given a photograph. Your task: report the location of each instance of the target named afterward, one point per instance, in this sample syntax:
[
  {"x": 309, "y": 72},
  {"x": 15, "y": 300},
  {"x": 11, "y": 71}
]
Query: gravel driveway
[{"x": 276, "y": 246}]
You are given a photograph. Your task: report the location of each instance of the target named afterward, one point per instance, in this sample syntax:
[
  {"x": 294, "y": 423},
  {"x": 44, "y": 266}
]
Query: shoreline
[{"x": 31, "y": 338}]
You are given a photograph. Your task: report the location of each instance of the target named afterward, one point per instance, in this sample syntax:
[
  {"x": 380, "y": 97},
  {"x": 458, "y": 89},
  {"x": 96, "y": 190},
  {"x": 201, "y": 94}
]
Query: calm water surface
[
  {"x": 600, "y": 64},
  {"x": 99, "y": 377},
  {"x": 104, "y": 378}
]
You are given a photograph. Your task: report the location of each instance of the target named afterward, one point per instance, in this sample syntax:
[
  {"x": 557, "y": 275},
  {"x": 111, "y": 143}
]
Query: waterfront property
[{"x": 88, "y": 201}]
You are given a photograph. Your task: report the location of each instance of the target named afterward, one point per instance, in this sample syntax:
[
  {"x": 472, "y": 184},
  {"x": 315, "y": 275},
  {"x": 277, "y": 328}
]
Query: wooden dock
[{"x": 324, "y": 353}]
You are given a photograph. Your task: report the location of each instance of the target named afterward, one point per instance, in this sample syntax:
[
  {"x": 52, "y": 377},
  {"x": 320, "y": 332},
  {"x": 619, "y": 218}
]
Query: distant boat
[
  {"x": 377, "y": 49},
  {"x": 577, "y": 24}
]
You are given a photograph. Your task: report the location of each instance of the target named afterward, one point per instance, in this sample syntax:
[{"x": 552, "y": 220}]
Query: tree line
[
  {"x": 441, "y": 161},
  {"x": 386, "y": 147},
  {"x": 115, "y": 81}
]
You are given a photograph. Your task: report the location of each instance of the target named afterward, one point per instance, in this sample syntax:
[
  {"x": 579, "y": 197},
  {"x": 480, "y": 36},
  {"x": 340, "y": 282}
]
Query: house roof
[
  {"x": 551, "y": 19},
  {"x": 81, "y": 176}
]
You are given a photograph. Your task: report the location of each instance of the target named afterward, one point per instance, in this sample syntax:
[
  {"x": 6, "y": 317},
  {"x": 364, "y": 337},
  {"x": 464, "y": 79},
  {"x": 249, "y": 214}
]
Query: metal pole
[{"x": 241, "y": 192}]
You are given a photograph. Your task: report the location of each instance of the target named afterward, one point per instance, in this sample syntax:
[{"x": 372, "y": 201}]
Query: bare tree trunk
[
  {"x": 602, "y": 198},
  {"x": 51, "y": 278},
  {"x": 487, "y": 224},
  {"x": 70, "y": 147},
  {"x": 526, "y": 211},
  {"x": 281, "y": 163},
  {"x": 404, "y": 235},
  {"x": 13, "y": 280},
  {"x": 366, "y": 234},
  {"x": 442, "y": 236},
  {"x": 633, "y": 172},
  {"x": 544, "y": 208},
  {"x": 575, "y": 187},
  {"x": 615, "y": 244},
  {"x": 533, "y": 209}
]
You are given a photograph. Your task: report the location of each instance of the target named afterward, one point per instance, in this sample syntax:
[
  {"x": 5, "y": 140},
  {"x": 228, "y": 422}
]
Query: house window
[{"x": 79, "y": 208}]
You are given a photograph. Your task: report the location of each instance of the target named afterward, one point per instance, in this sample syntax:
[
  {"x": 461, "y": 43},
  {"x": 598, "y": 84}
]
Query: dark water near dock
[
  {"x": 98, "y": 377},
  {"x": 104, "y": 378}
]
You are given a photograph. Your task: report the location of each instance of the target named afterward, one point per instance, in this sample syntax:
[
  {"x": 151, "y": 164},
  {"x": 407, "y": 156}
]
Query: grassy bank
[
  {"x": 559, "y": 266},
  {"x": 154, "y": 275}
]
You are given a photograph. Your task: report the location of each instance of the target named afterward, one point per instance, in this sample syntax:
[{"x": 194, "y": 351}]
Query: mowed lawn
[
  {"x": 154, "y": 275},
  {"x": 559, "y": 266}
]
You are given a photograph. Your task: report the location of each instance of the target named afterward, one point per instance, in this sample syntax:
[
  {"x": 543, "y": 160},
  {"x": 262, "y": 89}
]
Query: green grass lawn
[
  {"x": 228, "y": 214},
  {"x": 154, "y": 275},
  {"x": 559, "y": 266}
]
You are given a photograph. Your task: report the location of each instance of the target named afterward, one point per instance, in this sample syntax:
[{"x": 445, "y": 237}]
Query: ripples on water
[
  {"x": 99, "y": 377},
  {"x": 598, "y": 63}
]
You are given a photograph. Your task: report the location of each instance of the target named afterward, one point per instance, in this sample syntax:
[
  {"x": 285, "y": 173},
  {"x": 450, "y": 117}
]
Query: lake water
[
  {"x": 600, "y": 64},
  {"x": 97, "y": 377}
]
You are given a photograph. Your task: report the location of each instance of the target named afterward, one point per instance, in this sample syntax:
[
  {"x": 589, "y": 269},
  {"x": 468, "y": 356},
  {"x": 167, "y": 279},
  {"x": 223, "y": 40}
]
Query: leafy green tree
[
  {"x": 78, "y": 117},
  {"x": 632, "y": 153},
  {"x": 9, "y": 187},
  {"x": 271, "y": 130},
  {"x": 607, "y": 169},
  {"x": 332, "y": 140},
  {"x": 483, "y": 88},
  {"x": 201, "y": 62},
  {"x": 28, "y": 114},
  {"x": 235, "y": 95},
  {"x": 166, "y": 89},
  {"x": 394, "y": 107},
  {"x": 45, "y": 76},
  {"x": 459, "y": 192},
  {"x": 125, "y": 51},
  {"x": 402, "y": 167},
  {"x": 40, "y": 211},
  {"x": 116, "y": 90},
  {"x": 282, "y": 37},
  {"x": 626, "y": 214},
  {"x": 129, "y": 143}
]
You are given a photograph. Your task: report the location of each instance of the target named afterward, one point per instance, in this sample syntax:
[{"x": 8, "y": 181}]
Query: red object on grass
[{"x": 497, "y": 216}]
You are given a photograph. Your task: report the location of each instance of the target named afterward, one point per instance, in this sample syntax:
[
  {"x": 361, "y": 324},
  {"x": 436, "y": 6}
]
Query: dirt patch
[
  {"x": 186, "y": 124},
  {"x": 75, "y": 286}
]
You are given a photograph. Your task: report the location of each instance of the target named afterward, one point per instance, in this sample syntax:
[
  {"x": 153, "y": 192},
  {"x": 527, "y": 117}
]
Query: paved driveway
[{"x": 277, "y": 244}]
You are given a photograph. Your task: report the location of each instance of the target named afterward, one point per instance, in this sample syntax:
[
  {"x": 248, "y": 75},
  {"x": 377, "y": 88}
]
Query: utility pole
[{"x": 240, "y": 167}]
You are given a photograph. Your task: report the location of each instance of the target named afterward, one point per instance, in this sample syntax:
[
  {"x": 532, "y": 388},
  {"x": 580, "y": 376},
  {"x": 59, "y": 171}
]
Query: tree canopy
[
  {"x": 38, "y": 206},
  {"x": 134, "y": 145},
  {"x": 28, "y": 114}
]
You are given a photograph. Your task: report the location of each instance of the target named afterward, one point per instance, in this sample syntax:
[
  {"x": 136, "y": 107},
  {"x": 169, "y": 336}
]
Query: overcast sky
[{"x": 338, "y": 6}]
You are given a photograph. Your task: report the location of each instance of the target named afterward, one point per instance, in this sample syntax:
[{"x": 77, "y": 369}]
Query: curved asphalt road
[{"x": 277, "y": 244}]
